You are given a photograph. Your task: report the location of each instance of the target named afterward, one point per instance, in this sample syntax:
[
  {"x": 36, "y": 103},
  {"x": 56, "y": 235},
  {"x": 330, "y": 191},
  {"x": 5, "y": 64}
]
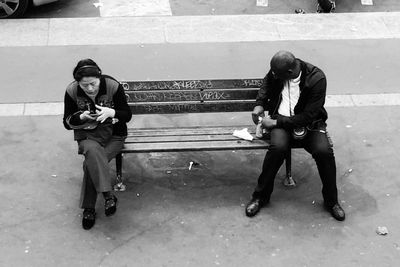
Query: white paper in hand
[{"x": 244, "y": 134}]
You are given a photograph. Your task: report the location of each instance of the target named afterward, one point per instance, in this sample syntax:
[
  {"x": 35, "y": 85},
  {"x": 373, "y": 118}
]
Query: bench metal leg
[
  {"x": 289, "y": 181},
  {"x": 119, "y": 186}
]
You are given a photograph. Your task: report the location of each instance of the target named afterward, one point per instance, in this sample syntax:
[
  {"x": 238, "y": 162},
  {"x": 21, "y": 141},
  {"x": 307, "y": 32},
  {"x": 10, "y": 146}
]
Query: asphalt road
[{"x": 352, "y": 66}]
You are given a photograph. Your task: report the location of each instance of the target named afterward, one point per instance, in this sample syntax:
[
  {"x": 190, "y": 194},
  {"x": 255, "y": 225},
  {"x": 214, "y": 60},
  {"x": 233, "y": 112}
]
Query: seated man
[{"x": 293, "y": 92}]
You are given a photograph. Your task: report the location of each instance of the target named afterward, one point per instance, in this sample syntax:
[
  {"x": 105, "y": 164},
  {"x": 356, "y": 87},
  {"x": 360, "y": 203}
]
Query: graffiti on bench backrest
[
  {"x": 167, "y": 85},
  {"x": 191, "y": 84},
  {"x": 252, "y": 83},
  {"x": 177, "y": 96}
]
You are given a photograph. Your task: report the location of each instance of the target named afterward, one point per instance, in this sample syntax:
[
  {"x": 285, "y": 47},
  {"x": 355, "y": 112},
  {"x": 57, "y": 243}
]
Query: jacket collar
[{"x": 303, "y": 68}]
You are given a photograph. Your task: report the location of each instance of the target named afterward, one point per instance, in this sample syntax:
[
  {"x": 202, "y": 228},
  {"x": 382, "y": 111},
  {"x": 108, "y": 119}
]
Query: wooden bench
[{"x": 191, "y": 96}]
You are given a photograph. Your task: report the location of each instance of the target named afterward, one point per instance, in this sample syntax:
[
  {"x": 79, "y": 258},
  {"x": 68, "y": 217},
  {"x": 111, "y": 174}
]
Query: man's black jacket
[{"x": 310, "y": 106}]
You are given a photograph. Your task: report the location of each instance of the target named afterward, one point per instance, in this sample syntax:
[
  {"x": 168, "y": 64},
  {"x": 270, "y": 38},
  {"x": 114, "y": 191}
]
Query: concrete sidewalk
[
  {"x": 198, "y": 29},
  {"x": 86, "y": 8},
  {"x": 170, "y": 216}
]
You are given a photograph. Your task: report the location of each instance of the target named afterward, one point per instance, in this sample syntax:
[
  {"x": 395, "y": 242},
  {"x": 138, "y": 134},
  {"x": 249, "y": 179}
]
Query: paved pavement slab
[
  {"x": 91, "y": 8},
  {"x": 170, "y": 216}
]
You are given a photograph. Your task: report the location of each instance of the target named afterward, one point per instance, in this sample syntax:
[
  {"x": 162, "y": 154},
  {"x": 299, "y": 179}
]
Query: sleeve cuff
[{"x": 74, "y": 119}]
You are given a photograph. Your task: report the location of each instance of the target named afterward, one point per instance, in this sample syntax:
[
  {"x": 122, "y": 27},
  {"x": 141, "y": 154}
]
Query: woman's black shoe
[
  {"x": 88, "y": 218},
  {"x": 110, "y": 205}
]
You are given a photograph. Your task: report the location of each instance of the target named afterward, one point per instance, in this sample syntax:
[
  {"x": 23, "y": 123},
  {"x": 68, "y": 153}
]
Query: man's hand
[
  {"x": 257, "y": 112},
  {"x": 104, "y": 113},
  {"x": 268, "y": 123},
  {"x": 86, "y": 116}
]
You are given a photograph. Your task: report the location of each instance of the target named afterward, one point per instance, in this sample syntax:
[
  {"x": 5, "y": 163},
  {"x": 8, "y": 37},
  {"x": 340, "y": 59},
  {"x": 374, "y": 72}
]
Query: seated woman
[{"x": 95, "y": 108}]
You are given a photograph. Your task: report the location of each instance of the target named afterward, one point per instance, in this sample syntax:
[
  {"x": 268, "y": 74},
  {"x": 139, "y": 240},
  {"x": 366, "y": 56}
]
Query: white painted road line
[
  {"x": 123, "y": 8},
  {"x": 362, "y": 100},
  {"x": 12, "y": 109},
  {"x": 39, "y": 109},
  {"x": 57, "y": 108},
  {"x": 263, "y": 3},
  {"x": 199, "y": 29},
  {"x": 367, "y": 2}
]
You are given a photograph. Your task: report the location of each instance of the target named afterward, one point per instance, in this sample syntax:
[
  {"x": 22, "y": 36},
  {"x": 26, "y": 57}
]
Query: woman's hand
[
  {"x": 104, "y": 113},
  {"x": 86, "y": 116}
]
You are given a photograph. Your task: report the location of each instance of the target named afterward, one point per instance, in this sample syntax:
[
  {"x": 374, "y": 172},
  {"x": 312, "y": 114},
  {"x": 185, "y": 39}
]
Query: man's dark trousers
[{"x": 318, "y": 144}]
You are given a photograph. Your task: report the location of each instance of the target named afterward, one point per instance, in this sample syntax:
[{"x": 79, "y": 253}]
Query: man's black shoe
[
  {"x": 337, "y": 212},
  {"x": 253, "y": 207}
]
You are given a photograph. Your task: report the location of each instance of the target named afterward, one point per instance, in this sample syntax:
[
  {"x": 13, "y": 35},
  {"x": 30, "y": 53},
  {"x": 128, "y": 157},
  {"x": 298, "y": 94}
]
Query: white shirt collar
[{"x": 296, "y": 80}]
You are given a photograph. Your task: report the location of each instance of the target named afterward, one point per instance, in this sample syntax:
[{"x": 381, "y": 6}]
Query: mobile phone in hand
[{"x": 94, "y": 115}]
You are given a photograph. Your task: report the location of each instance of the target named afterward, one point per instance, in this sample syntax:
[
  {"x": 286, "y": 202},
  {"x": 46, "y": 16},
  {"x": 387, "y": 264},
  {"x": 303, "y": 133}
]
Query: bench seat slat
[
  {"x": 233, "y": 101},
  {"x": 194, "y": 146},
  {"x": 191, "y": 107},
  {"x": 206, "y": 130},
  {"x": 180, "y": 138},
  {"x": 192, "y": 95}
]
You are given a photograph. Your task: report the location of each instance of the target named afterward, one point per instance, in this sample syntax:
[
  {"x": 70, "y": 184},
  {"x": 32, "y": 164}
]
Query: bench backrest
[{"x": 191, "y": 96}]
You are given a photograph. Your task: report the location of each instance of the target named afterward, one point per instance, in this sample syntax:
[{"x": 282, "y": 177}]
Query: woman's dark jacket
[
  {"x": 310, "y": 106},
  {"x": 111, "y": 94}
]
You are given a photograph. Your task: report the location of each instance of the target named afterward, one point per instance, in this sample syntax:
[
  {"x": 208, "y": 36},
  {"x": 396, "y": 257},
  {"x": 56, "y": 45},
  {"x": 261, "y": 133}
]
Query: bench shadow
[
  {"x": 163, "y": 198},
  {"x": 227, "y": 178}
]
